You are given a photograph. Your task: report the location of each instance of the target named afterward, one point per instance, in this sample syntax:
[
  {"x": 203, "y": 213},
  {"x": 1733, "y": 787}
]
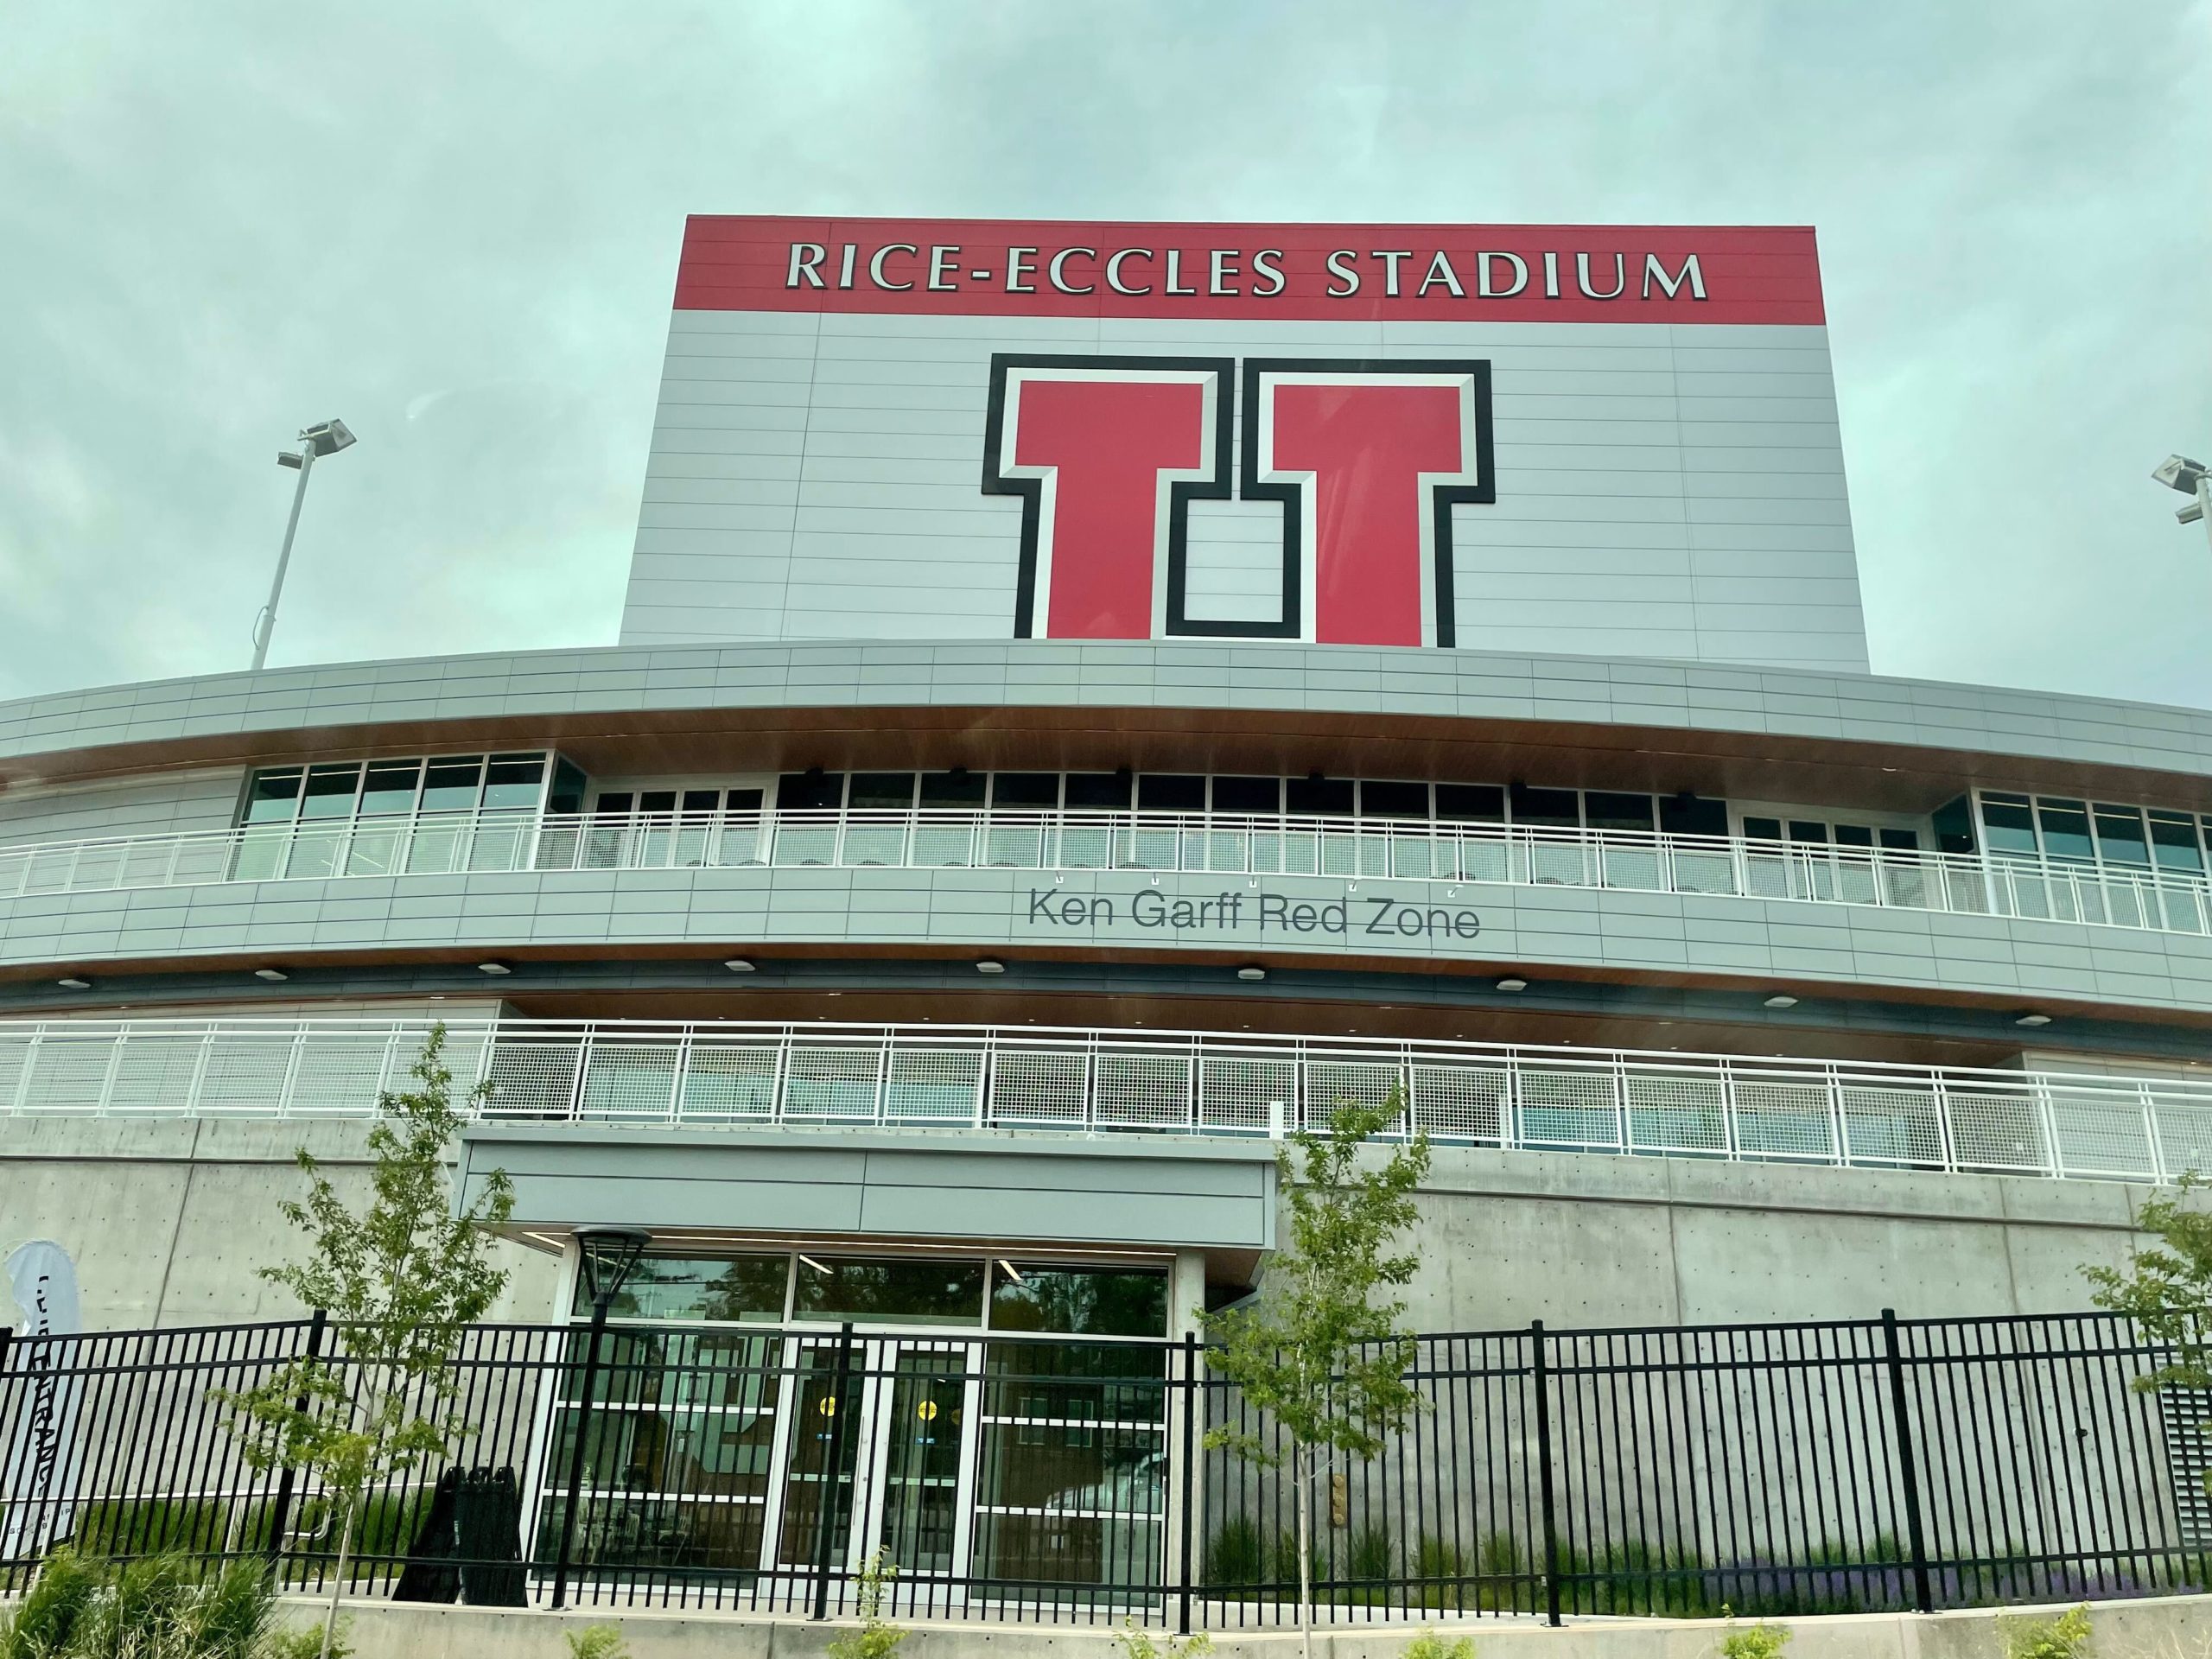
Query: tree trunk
[
  {"x": 1304, "y": 1462},
  {"x": 338, "y": 1580}
]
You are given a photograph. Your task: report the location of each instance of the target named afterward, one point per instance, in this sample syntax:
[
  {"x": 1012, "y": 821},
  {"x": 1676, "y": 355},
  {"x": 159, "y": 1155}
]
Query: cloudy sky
[{"x": 456, "y": 225}]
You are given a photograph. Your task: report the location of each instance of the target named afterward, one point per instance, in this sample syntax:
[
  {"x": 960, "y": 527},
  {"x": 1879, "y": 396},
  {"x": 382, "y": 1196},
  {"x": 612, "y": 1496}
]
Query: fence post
[
  {"x": 1542, "y": 1372},
  {"x": 825, "y": 1508},
  {"x": 1907, "y": 1465},
  {"x": 1189, "y": 1472},
  {"x": 280, "y": 1512},
  {"x": 577, "y": 1460}
]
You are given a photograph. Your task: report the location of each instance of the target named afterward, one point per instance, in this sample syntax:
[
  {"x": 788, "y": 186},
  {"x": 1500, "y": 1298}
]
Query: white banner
[{"x": 42, "y": 1451}]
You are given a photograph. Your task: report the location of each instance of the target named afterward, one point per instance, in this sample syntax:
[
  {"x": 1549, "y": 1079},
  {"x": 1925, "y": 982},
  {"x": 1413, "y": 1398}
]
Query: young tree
[
  {"x": 398, "y": 1281},
  {"x": 1320, "y": 1351},
  {"x": 2167, "y": 1289}
]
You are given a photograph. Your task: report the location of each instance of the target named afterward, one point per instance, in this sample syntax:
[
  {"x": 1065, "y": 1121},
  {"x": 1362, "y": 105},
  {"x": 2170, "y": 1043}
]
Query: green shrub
[
  {"x": 52, "y": 1607},
  {"x": 2066, "y": 1636},
  {"x": 598, "y": 1642},
  {"x": 305, "y": 1641},
  {"x": 1429, "y": 1645},
  {"x": 1368, "y": 1559},
  {"x": 1137, "y": 1643},
  {"x": 1759, "y": 1641},
  {"x": 876, "y": 1636},
  {"x": 1233, "y": 1554}
]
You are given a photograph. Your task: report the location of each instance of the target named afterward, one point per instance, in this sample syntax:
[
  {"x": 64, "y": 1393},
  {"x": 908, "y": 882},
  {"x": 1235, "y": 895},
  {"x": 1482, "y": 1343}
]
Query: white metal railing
[
  {"x": 1357, "y": 848},
  {"x": 735, "y": 1074}
]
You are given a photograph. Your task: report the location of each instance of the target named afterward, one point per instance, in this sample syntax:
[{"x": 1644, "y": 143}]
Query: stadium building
[{"x": 1090, "y": 697}]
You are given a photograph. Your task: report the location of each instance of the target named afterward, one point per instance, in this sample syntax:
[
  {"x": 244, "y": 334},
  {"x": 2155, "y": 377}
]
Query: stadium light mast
[
  {"x": 2190, "y": 478},
  {"x": 327, "y": 439}
]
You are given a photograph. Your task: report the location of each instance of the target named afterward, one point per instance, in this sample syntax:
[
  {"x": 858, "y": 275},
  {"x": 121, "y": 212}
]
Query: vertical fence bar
[
  {"x": 1189, "y": 1476},
  {"x": 825, "y": 1505},
  {"x": 1907, "y": 1465},
  {"x": 1540, "y": 1372},
  {"x": 577, "y": 1460}
]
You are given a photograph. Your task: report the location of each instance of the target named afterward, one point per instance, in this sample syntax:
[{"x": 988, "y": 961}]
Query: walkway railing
[
  {"x": 1354, "y": 849},
  {"x": 739, "y": 1075}
]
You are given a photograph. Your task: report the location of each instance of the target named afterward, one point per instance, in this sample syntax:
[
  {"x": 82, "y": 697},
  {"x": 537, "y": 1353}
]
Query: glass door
[{"x": 890, "y": 1475}]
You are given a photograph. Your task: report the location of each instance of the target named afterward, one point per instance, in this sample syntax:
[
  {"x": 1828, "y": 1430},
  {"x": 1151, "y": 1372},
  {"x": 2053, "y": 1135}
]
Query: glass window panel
[
  {"x": 1078, "y": 1301},
  {"x": 904, "y": 1291},
  {"x": 1098, "y": 792},
  {"x": 1470, "y": 803},
  {"x": 1808, "y": 831},
  {"x": 1318, "y": 798},
  {"x": 615, "y": 803},
  {"x": 1854, "y": 835},
  {"x": 955, "y": 790},
  {"x": 330, "y": 791},
  {"x": 1383, "y": 799},
  {"x": 453, "y": 784},
  {"x": 273, "y": 795},
  {"x": 744, "y": 1287},
  {"x": 1609, "y": 809},
  {"x": 1693, "y": 815},
  {"x": 1164, "y": 792},
  {"x": 810, "y": 791},
  {"x": 2173, "y": 842},
  {"x": 567, "y": 794},
  {"x": 703, "y": 800},
  {"x": 1953, "y": 825},
  {"x": 1901, "y": 841},
  {"x": 1556, "y": 809},
  {"x": 514, "y": 782},
  {"x": 391, "y": 787},
  {"x": 2065, "y": 827},
  {"x": 661, "y": 802},
  {"x": 882, "y": 791},
  {"x": 1762, "y": 828},
  {"x": 2120, "y": 839},
  {"x": 1026, "y": 789},
  {"x": 2008, "y": 823},
  {"x": 1250, "y": 796},
  {"x": 744, "y": 800}
]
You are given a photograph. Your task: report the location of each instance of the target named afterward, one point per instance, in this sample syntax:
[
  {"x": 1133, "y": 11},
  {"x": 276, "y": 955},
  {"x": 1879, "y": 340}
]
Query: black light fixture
[{"x": 609, "y": 1255}]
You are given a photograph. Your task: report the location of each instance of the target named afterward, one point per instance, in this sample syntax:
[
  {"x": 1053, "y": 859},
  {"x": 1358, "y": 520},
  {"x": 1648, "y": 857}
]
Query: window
[
  {"x": 2064, "y": 826},
  {"x": 514, "y": 783},
  {"x": 1078, "y": 1301},
  {"x": 2173, "y": 842},
  {"x": 1391, "y": 800},
  {"x": 1318, "y": 797},
  {"x": 1604, "y": 809},
  {"x": 2115, "y": 835},
  {"x": 957, "y": 791},
  {"x": 1025, "y": 791},
  {"x": 733, "y": 1288},
  {"x": 329, "y": 791},
  {"x": 1161, "y": 791},
  {"x": 1254, "y": 797},
  {"x": 810, "y": 791},
  {"x": 881, "y": 791},
  {"x": 2009, "y": 824},
  {"x": 1552, "y": 809},
  {"x": 1470, "y": 803},
  {"x": 904, "y": 1290},
  {"x": 1098, "y": 792}
]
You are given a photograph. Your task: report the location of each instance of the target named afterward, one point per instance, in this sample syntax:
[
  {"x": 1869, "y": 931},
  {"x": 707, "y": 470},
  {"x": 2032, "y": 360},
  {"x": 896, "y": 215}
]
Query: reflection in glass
[{"x": 892, "y": 1291}]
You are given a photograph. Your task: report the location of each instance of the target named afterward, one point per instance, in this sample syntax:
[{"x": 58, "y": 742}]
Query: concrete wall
[
  {"x": 2164, "y": 1627},
  {"x": 168, "y": 1221}
]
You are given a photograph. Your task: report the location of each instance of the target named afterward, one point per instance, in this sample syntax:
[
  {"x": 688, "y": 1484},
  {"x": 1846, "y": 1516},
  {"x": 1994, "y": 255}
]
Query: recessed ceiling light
[
  {"x": 2032, "y": 1019},
  {"x": 991, "y": 965},
  {"x": 740, "y": 965},
  {"x": 72, "y": 983},
  {"x": 497, "y": 969},
  {"x": 1511, "y": 984},
  {"x": 1252, "y": 974},
  {"x": 273, "y": 974},
  {"x": 1781, "y": 1000}
]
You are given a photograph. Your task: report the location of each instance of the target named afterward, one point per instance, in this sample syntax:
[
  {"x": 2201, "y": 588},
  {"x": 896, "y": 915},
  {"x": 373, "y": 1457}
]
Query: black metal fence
[{"x": 1814, "y": 1467}]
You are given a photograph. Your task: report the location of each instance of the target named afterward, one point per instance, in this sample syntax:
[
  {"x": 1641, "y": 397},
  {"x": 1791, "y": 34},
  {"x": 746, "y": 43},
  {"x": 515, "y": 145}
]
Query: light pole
[
  {"x": 607, "y": 1255},
  {"x": 327, "y": 439},
  {"x": 2190, "y": 478}
]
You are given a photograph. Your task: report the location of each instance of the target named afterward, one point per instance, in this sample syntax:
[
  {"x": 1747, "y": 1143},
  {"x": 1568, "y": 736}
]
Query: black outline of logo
[
  {"x": 1180, "y": 492},
  {"x": 1235, "y": 387},
  {"x": 1444, "y": 496}
]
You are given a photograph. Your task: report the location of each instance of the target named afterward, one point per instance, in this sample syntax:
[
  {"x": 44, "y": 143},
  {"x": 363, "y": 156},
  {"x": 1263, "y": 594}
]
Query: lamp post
[
  {"x": 608, "y": 1255},
  {"x": 327, "y": 439},
  {"x": 2191, "y": 478}
]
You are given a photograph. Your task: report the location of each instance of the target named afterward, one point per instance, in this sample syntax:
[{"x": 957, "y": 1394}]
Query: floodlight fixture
[{"x": 326, "y": 438}]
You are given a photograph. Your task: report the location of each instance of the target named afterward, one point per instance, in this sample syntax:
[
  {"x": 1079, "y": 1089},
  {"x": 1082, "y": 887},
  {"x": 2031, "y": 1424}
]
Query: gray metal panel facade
[
  {"x": 1212, "y": 1196},
  {"x": 164, "y": 804},
  {"x": 1665, "y": 490},
  {"x": 1056, "y": 674}
]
